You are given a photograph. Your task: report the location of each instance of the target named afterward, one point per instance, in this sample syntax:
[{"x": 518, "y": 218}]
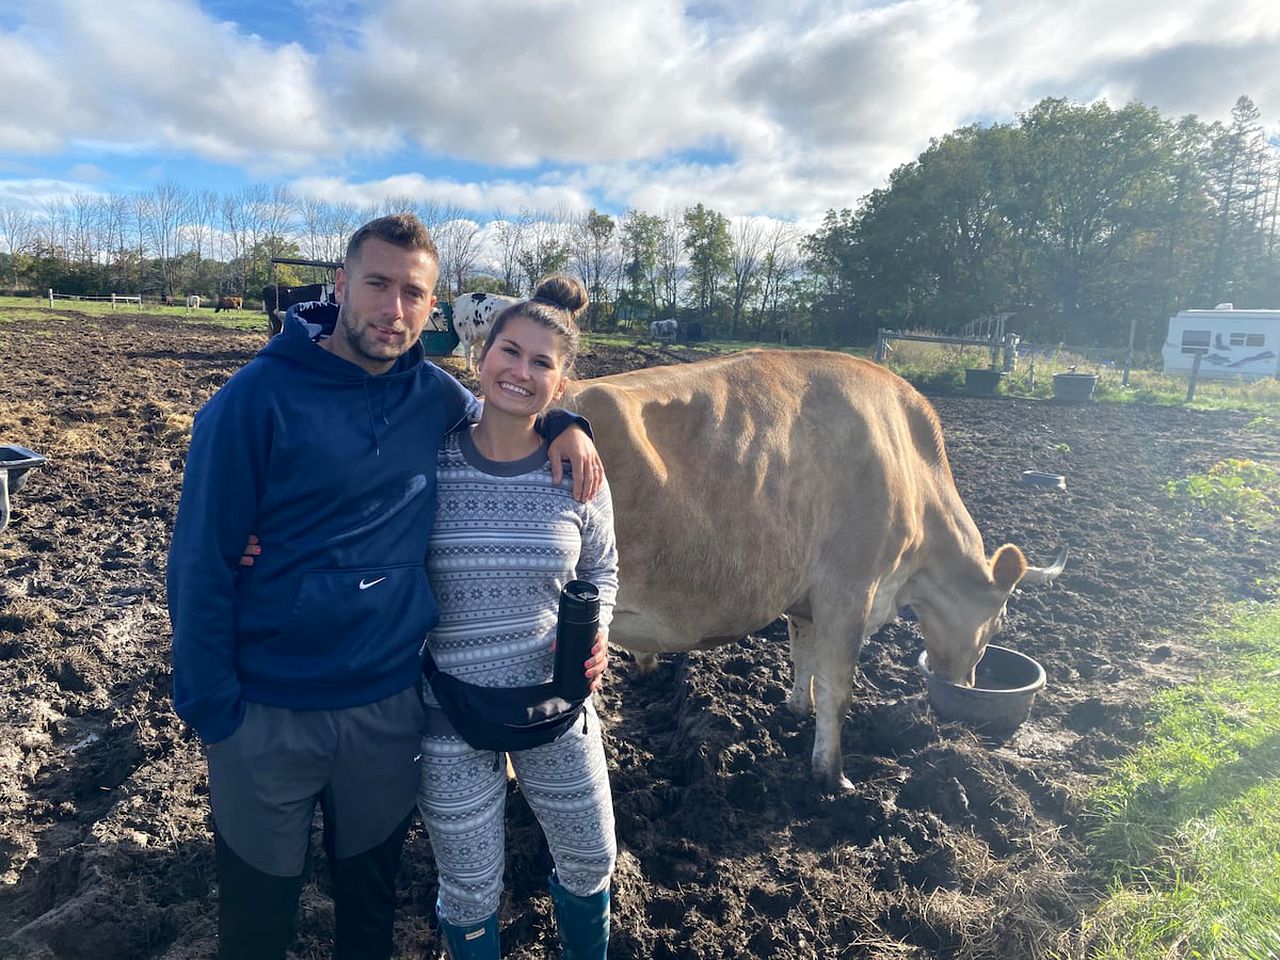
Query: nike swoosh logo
[{"x": 371, "y": 583}]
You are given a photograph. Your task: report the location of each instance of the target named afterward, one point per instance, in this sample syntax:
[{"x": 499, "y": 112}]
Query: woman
[{"x": 506, "y": 540}]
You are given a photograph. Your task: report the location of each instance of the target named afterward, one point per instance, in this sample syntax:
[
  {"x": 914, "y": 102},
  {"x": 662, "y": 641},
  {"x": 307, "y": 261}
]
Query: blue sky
[{"x": 782, "y": 108}]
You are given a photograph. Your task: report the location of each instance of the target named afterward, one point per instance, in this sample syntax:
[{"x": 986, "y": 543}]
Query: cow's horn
[{"x": 1046, "y": 574}]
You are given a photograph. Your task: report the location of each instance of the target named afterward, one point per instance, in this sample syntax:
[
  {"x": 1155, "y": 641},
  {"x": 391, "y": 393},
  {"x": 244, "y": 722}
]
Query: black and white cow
[
  {"x": 473, "y": 314},
  {"x": 664, "y": 329},
  {"x": 276, "y": 300}
]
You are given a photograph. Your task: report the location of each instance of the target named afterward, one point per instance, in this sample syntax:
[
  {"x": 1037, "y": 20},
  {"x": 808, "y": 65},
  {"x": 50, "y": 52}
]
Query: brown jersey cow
[{"x": 808, "y": 483}]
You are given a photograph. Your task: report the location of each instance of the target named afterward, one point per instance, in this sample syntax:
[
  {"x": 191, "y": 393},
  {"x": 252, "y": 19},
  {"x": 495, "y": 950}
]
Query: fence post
[
  {"x": 113, "y": 303},
  {"x": 1195, "y": 372},
  {"x": 1010, "y": 351},
  {"x": 1128, "y": 357},
  {"x": 51, "y": 298},
  {"x": 882, "y": 345}
]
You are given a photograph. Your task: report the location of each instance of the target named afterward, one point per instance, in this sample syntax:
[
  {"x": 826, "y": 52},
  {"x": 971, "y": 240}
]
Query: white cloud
[
  {"x": 754, "y": 106},
  {"x": 477, "y": 197},
  {"x": 144, "y": 74},
  {"x": 34, "y": 193},
  {"x": 514, "y": 83}
]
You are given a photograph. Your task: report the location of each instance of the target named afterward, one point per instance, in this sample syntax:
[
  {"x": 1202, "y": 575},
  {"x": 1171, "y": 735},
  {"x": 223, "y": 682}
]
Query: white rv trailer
[{"x": 1232, "y": 343}]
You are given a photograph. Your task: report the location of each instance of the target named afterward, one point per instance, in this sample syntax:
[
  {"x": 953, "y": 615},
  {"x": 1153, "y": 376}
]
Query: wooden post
[
  {"x": 1011, "y": 352},
  {"x": 1128, "y": 357},
  {"x": 882, "y": 345},
  {"x": 113, "y": 303},
  {"x": 1195, "y": 372}
]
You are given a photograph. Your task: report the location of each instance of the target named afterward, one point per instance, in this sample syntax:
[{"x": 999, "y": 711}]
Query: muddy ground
[{"x": 947, "y": 847}]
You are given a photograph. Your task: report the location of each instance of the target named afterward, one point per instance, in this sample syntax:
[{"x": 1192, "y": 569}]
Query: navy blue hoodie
[{"x": 335, "y": 471}]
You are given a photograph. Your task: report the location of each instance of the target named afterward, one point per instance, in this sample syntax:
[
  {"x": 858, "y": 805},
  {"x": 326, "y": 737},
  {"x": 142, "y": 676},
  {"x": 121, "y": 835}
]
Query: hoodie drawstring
[{"x": 373, "y": 425}]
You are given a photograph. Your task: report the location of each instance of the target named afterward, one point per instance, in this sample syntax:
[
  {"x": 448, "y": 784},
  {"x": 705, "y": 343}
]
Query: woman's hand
[
  {"x": 251, "y": 550},
  {"x": 584, "y": 460},
  {"x": 599, "y": 662}
]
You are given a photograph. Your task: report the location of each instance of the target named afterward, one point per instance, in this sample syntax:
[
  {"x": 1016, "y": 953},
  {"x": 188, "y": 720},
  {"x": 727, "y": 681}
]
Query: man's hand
[
  {"x": 584, "y": 460},
  {"x": 251, "y": 550},
  {"x": 599, "y": 662}
]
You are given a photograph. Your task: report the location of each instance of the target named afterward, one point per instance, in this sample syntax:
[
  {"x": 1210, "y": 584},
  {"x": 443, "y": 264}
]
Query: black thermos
[{"x": 575, "y": 636}]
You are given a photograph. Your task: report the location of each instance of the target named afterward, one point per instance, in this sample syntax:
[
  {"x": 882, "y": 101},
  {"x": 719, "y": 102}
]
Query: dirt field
[{"x": 947, "y": 847}]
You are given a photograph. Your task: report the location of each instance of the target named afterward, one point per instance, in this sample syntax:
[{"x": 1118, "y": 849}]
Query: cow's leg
[
  {"x": 841, "y": 628},
  {"x": 804, "y": 641}
]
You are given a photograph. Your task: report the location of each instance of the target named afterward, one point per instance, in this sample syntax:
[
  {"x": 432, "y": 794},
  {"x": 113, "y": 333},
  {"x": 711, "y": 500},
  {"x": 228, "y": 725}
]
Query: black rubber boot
[
  {"x": 364, "y": 898},
  {"x": 583, "y": 923},
  {"x": 257, "y": 912}
]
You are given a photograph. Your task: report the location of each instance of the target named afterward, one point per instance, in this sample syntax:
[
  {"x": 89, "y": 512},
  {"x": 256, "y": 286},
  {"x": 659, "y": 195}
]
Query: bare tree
[
  {"x": 546, "y": 249},
  {"x": 343, "y": 219},
  {"x": 278, "y": 220},
  {"x": 54, "y": 224},
  {"x": 116, "y": 216},
  {"x": 670, "y": 249},
  {"x": 458, "y": 240},
  {"x": 19, "y": 231},
  {"x": 235, "y": 236},
  {"x": 591, "y": 240},
  {"x": 510, "y": 235},
  {"x": 397, "y": 203},
  {"x": 168, "y": 209},
  {"x": 780, "y": 263},
  {"x": 81, "y": 228},
  {"x": 139, "y": 218},
  {"x": 746, "y": 247}
]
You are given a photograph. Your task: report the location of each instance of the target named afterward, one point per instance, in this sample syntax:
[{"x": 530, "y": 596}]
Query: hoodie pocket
[{"x": 356, "y": 622}]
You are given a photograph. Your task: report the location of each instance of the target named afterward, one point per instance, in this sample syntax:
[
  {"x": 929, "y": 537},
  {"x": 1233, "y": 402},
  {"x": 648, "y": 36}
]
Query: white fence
[{"x": 113, "y": 298}]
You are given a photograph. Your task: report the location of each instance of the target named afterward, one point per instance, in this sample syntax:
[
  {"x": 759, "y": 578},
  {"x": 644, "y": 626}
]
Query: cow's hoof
[{"x": 837, "y": 784}]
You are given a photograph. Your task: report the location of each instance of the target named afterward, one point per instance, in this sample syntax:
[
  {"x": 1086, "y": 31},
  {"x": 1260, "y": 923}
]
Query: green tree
[
  {"x": 832, "y": 255},
  {"x": 641, "y": 244},
  {"x": 593, "y": 258},
  {"x": 1091, "y": 185},
  {"x": 708, "y": 246},
  {"x": 547, "y": 256}
]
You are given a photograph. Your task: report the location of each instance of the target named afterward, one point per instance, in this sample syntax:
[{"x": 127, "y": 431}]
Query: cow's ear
[{"x": 1008, "y": 566}]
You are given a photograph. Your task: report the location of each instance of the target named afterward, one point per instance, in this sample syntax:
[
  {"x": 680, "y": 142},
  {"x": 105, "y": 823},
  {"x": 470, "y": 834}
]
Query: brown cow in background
[{"x": 229, "y": 303}]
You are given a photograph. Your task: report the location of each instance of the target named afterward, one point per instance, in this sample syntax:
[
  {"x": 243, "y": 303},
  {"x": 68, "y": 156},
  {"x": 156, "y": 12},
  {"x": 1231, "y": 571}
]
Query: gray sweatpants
[
  {"x": 462, "y": 801},
  {"x": 266, "y": 778}
]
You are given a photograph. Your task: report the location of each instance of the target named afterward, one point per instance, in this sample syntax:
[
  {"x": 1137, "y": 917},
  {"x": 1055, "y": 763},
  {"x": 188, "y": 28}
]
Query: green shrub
[{"x": 1243, "y": 491}]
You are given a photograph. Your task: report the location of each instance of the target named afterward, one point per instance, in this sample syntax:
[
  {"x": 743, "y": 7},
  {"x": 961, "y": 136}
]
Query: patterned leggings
[{"x": 462, "y": 800}]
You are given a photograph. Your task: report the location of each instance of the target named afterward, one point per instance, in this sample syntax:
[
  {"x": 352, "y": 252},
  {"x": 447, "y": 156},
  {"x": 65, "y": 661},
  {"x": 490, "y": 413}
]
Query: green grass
[
  {"x": 1236, "y": 490},
  {"x": 939, "y": 367},
  {"x": 1187, "y": 828},
  {"x": 702, "y": 347},
  {"x": 14, "y": 309}
]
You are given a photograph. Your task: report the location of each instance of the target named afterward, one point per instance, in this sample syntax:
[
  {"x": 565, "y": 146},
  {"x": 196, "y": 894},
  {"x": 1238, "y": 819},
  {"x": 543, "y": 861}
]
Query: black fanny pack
[{"x": 502, "y": 718}]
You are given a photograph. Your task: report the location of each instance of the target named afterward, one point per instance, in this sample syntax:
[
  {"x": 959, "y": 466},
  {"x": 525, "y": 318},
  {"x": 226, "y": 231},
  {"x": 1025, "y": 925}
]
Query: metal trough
[{"x": 15, "y": 463}]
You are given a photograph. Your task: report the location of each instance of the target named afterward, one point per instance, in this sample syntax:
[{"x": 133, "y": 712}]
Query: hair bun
[{"x": 566, "y": 293}]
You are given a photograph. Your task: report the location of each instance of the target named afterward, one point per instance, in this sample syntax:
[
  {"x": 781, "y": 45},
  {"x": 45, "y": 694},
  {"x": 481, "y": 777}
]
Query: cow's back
[{"x": 734, "y": 480}]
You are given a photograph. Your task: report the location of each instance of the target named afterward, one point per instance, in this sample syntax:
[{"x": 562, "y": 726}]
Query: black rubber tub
[{"x": 1005, "y": 685}]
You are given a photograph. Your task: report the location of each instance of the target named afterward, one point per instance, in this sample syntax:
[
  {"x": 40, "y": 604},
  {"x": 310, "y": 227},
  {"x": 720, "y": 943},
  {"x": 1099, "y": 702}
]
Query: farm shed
[{"x": 1232, "y": 343}]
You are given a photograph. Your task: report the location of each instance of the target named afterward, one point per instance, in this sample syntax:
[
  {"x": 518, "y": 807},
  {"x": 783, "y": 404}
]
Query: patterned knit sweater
[{"x": 506, "y": 539}]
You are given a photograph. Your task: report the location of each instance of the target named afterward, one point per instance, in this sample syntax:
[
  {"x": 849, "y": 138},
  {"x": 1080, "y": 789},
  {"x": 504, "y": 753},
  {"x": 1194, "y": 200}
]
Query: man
[{"x": 300, "y": 673}]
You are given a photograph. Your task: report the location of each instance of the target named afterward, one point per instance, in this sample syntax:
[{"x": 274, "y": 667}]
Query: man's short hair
[{"x": 402, "y": 230}]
